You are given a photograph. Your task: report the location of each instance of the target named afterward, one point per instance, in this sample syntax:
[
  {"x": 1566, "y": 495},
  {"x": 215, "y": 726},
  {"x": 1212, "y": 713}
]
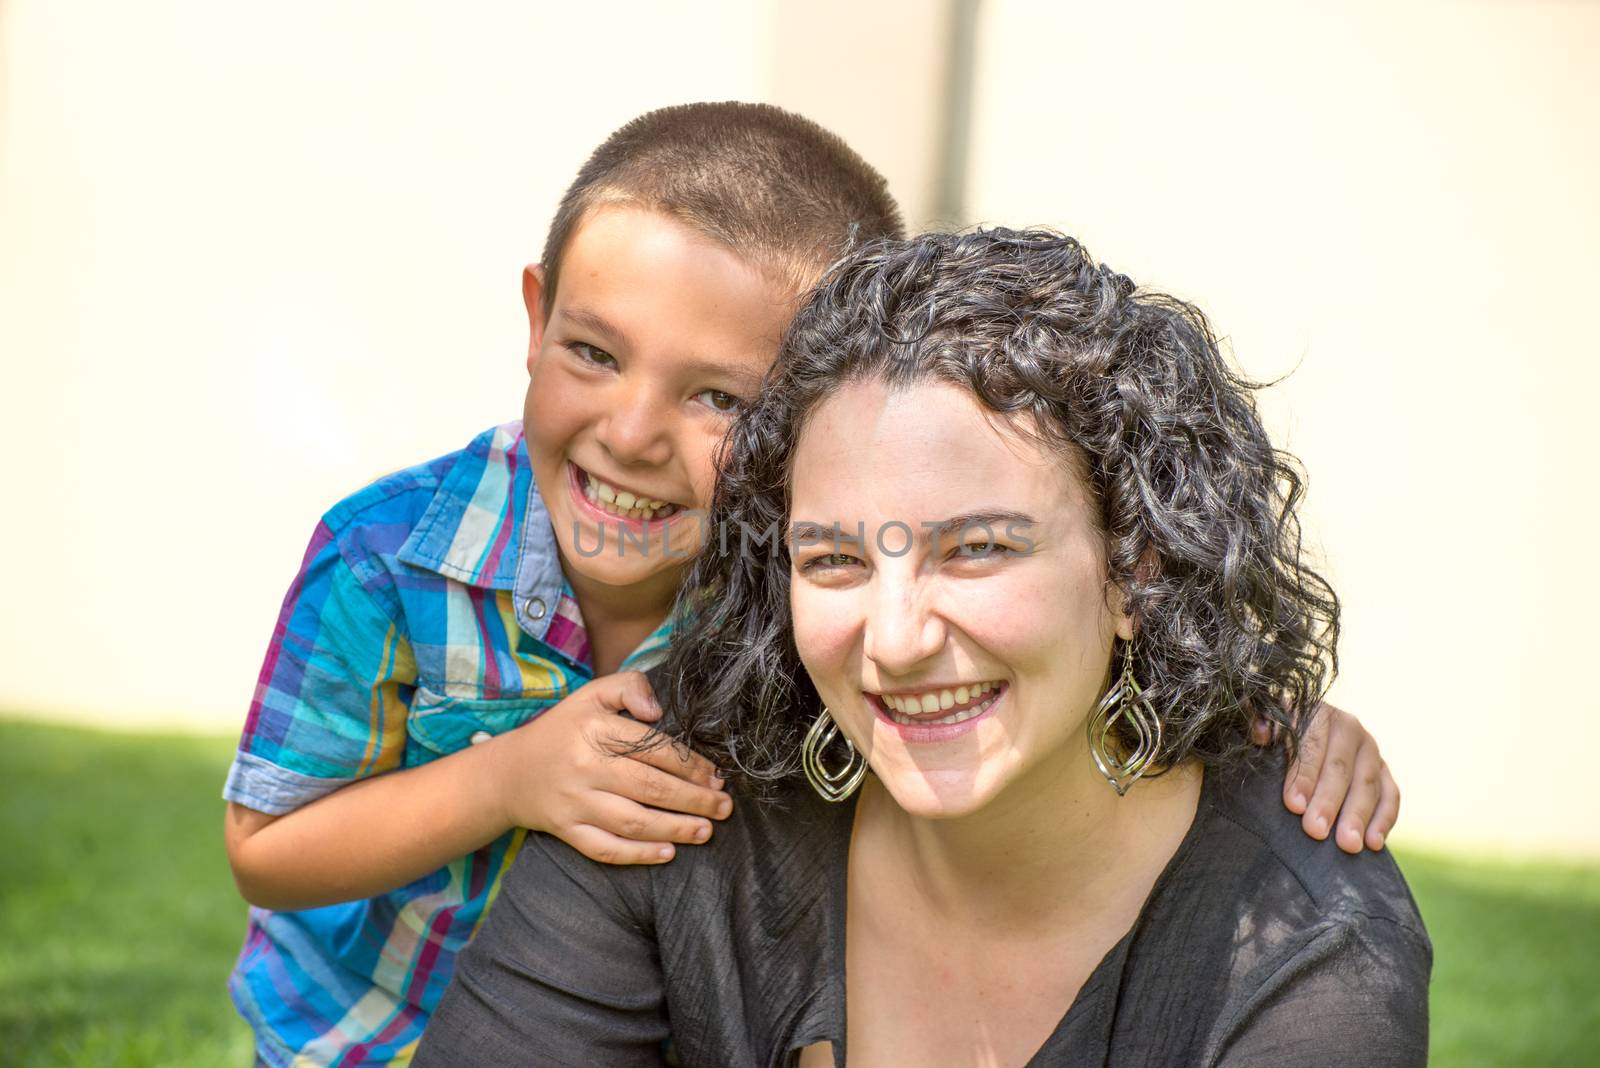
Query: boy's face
[{"x": 656, "y": 338}]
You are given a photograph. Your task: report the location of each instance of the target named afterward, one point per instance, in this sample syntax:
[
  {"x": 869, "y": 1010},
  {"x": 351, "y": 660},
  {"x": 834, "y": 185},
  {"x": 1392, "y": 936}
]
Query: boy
[{"x": 471, "y": 627}]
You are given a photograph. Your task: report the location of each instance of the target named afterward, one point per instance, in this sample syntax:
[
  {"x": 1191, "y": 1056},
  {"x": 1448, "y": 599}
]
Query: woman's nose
[{"x": 900, "y": 631}]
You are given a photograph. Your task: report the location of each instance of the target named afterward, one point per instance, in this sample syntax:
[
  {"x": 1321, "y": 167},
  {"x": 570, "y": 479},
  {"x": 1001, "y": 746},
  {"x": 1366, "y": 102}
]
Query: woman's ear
[
  {"x": 1117, "y": 605},
  {"x": 1119, "y": 609},
  {"x": 1148, "y": 568},
  {"x": 1125, "y": 626}
]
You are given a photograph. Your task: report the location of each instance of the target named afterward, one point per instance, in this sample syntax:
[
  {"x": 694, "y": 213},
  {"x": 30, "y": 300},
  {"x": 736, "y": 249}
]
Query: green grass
[
  {"x": 118, "y": 918},
  {"x": 1516, "y": 960},
  {"x": 118, "y": 921}
]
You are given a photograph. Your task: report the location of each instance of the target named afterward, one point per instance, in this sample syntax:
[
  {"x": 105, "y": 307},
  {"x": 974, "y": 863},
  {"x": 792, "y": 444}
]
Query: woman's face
[{"x": 949, "y": 594}]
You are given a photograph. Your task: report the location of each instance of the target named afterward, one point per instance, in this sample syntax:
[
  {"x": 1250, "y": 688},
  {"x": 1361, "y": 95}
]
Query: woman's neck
[{"x": 1059, "y": 841}]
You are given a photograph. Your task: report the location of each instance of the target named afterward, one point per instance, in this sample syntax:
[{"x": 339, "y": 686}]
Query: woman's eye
[
  {"x": 832, "y": 560},
  {"x": 589, "y": 354},
  {"x": 983, "y": 549},
  {"x": 719, "y": 401}
]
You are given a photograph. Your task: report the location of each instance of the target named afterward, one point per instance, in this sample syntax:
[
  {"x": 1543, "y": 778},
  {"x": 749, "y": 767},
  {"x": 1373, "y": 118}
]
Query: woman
[{"x": 1044, "y": 572}]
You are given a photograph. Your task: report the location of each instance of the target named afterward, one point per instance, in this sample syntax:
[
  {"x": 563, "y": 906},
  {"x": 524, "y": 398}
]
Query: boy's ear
[{"x": 533, "y": 300}]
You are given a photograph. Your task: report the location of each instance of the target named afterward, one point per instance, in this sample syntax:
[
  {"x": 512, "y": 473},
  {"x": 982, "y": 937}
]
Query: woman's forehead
[{"x": 928, "y": 445}]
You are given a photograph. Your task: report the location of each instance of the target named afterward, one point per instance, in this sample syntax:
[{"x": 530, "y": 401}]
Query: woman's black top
[{"x": 1257, "y": 946}]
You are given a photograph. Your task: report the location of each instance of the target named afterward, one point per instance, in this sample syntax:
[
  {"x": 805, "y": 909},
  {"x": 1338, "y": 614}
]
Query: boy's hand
[
  {"x": 1340, "y": 776},
  {"x": 569, "y": 772}
]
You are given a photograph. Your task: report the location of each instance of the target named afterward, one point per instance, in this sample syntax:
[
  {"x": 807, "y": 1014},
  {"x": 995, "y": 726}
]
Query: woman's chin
[
  {"x": 936, "y": 795},
  {"x": 947, "y": 781}
]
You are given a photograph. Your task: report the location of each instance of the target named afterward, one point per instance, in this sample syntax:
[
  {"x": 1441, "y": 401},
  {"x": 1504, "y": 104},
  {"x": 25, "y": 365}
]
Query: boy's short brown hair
[{"x": 775, "y": 188}]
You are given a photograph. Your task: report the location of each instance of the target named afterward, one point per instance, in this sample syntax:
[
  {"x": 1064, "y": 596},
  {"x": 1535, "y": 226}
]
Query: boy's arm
[
  {"x": 319, "y": 813},
  {"x": 368, "y": 837},
  {"x": 557, "y": 773}
]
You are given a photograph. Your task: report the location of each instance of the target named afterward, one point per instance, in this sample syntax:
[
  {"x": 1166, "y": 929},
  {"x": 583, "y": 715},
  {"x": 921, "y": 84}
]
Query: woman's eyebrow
[
  {"x": 805, "y": 532},
  {"x": 808, "y": 532},
  {"x": 990, "y": 519}
]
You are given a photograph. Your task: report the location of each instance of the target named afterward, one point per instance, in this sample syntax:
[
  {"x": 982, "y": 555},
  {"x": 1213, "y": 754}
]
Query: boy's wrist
[{"x": 498, "y": 763}]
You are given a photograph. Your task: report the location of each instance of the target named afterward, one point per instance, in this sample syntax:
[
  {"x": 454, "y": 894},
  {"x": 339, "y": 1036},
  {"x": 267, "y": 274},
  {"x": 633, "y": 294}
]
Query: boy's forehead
[{"x": 640, "y": 281}]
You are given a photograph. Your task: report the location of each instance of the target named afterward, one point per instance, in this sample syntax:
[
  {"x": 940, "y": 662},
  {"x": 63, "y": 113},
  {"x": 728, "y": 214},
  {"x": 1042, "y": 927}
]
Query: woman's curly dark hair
[{"x": 1195, "y": 505}]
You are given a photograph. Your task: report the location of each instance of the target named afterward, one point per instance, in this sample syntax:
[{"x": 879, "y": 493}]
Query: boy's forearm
[{"x": 369, "y": 837}]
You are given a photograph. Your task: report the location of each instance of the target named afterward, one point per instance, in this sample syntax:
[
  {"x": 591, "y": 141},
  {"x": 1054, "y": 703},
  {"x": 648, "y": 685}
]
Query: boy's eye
[
  {"x": 589, "y": 354},
  {"x": 719, "y": 401}
]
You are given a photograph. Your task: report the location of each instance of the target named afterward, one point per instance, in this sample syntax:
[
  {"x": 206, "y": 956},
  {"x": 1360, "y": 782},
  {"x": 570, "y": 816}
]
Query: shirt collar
[{"x": 487, "y": 527}]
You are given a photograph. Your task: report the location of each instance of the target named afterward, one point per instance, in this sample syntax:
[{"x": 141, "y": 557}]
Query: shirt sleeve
[
  {"x": 1353, "y": 995},
  {"x": 565, "y": 971},
  {"x": 331, "y": 702}
]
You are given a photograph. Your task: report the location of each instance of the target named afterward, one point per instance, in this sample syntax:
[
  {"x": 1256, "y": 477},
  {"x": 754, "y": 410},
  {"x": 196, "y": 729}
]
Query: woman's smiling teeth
[
  {"x": 621, "y": 503},
  {"x": 961, "y": 703}
]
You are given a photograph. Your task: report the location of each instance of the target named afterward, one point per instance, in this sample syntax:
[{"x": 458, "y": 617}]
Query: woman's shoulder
[
  {"x": 1289, "y": 949},
  {"x": 1244, "y": 807},
  {"x": 754, "y": 918},
  {"x": 749, "y": 919},
  {"x": 780, "y": 839},
  {"x": 781, "y": 836}
]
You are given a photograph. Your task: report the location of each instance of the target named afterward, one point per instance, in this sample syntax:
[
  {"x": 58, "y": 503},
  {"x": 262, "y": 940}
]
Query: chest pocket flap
[{"x": 441, "y": 725}]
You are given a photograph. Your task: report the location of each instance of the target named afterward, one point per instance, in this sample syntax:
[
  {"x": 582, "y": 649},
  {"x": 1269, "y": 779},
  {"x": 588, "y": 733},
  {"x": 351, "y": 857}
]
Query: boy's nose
[{"x": 635, "y": 431}]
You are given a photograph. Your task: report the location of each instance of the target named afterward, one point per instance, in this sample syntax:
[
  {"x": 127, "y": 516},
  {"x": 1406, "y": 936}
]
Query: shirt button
[
  {"x": 479, "y": 737},
  {"x": 535, "y": 608}
]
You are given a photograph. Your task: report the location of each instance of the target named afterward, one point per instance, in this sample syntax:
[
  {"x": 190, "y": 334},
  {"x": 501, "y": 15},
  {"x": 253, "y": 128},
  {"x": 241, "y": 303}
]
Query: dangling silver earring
[
  {"x": 1124, "y": 702},
  {"x": 833, "y": 784}
]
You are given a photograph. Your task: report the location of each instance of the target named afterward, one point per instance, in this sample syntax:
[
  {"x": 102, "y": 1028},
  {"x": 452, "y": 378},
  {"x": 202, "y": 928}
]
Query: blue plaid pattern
[{"x": 430, "y": 606}]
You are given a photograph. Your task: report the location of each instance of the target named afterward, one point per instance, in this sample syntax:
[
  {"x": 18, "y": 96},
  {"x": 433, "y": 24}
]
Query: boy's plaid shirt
[{"x": 430, "y": 611}]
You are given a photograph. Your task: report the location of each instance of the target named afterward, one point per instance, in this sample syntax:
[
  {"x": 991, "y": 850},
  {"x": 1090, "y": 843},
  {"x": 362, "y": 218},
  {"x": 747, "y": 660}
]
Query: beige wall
[
  {"x": 251, "y": 258},
  {"x": 1394, "y": 205},
  {"x": 873, "y": 73}
]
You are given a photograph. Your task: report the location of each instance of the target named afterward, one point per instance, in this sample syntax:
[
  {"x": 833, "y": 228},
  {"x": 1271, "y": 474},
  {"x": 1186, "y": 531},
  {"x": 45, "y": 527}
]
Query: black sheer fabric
[{"x": 1257, "y": 946}]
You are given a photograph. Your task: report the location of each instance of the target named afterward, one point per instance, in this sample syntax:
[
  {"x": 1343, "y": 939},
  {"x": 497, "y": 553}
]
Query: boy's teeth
[{"x": 623, "y": 504}]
